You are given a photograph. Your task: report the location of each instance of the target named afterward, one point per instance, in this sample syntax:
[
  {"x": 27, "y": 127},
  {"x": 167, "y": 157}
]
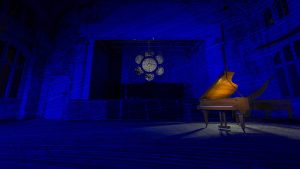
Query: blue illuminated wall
[
  {"x": 59, "y": 53},
  {"x": 136, "y": 20}
]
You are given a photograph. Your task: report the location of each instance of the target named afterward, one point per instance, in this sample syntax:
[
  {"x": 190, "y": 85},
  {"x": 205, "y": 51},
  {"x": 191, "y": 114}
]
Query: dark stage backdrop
[{"x": 106, "y": 72}]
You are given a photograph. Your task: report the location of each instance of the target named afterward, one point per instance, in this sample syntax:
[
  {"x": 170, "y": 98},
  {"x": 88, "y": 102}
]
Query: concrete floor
[{"x": 139, "y": 145}]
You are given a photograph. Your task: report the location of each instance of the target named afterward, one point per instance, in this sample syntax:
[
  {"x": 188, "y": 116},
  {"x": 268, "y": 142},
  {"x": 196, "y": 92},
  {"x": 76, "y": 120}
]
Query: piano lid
[{"x": 222, "y": 88}]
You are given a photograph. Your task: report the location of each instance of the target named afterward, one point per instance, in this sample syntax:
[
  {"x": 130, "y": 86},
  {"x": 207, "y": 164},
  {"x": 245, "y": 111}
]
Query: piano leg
[
  {"x": 223, "y": 121},
  {"x": 205, "y": 115},
  {"x": 237, "y": 120},
  {"x": 233, "y": 115},
  {"x": 242, "y": 121},
  {"x": 224, "y": 118}
]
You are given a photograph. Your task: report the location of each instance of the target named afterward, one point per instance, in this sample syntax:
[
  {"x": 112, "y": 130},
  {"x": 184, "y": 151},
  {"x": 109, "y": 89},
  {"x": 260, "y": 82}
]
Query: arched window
[
  {"x": 287, "y": 65},
  {"x": 268, "y": 17},
  {"x": 282, "y": 7}
]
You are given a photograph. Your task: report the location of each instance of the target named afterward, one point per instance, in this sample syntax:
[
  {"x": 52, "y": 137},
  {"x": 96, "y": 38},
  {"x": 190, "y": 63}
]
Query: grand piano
[{"x": 217, "y": 98}]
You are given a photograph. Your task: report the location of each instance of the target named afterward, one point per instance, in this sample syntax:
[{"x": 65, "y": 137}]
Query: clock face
[{"x": 149, "y": 64}]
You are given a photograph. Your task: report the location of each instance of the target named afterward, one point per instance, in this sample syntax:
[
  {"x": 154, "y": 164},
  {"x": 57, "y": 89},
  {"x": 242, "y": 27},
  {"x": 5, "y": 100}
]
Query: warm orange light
[{"x": 222, "y": 88}]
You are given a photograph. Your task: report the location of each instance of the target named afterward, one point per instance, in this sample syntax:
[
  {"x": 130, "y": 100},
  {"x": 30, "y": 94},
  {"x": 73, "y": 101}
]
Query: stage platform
[{"x": 40, "y": 144}]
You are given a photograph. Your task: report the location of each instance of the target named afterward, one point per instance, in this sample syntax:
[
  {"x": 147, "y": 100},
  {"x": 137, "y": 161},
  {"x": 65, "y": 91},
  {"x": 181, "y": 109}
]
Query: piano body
[{"x": 217, "y": 98}]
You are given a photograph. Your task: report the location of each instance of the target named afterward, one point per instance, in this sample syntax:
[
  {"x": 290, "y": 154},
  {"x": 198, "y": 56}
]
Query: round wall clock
[{"x": 149, "y": 64}]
